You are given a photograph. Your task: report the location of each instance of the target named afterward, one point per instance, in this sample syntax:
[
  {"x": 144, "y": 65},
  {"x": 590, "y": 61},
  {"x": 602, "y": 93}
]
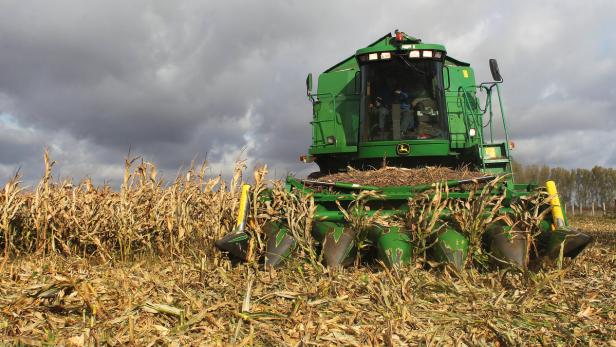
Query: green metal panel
[
  {"x": 462, "y": 106},
  {"x": 418, "y": 148},
  {"x": 395, "y": 247},
  {"x": 336, "y": 112},
  {"x": 493, "y": 152},
  {"x": 452, "y": 247}
]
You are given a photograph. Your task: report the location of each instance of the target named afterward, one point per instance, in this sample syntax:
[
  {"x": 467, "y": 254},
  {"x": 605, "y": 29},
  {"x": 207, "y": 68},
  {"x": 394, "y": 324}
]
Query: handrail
[
  {"x": 488, "y": 108},
  {"x": 488, "y": 86},
  {"x": 319, "y": 95},
  {"x": 467, "y": 108},
  {"x": 469, "y": 114},
  {"x": 502, "y": 110}
]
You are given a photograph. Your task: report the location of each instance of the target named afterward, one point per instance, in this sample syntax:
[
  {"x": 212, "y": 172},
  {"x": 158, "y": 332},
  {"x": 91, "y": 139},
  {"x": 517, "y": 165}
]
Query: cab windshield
[{"x": 402, "y": 98}]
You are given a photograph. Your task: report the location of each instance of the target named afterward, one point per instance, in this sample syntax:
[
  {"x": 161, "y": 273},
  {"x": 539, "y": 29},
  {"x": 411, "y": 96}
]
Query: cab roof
[{"x": 387, "y": 43}]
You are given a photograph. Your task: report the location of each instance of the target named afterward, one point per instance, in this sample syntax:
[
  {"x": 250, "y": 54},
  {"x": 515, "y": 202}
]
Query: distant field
[{"x": 183, "y": 300}]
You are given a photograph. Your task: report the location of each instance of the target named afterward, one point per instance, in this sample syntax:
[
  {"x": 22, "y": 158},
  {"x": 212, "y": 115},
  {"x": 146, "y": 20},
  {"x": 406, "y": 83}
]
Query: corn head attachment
[{"x": 487, "y": 220}]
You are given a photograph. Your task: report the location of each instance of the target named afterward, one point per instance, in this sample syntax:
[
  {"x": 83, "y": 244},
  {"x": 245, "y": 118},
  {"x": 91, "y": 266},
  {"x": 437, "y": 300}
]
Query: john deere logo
[{"x": 403, "y": 149}]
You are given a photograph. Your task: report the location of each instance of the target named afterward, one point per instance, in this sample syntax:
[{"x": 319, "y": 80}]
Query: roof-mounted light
[
  {"x": 427, "y": 54},
  {"x": 438, "y": 54},
  {"x": 373, "y": 56},
  {"x": 399, "y": 36},
  {"x": 386, "y": 55},
  {"x": 414, "y": 54}
]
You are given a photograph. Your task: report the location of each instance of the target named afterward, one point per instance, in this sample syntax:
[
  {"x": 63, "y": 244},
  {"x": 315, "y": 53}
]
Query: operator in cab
[
  {"x": 381, "y": 109},
  {"x": 407, "y": 121}
]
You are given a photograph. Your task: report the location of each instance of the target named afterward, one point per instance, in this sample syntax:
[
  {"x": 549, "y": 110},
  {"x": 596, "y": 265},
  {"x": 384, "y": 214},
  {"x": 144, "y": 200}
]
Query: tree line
[{"x": 582, "y": 187}]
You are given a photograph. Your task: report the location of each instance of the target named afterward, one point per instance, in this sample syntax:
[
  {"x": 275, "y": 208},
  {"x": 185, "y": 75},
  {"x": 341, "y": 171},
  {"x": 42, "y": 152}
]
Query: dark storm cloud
[
  {"x": 172, "y": 80},
  {"x": 14, "y": 148}
]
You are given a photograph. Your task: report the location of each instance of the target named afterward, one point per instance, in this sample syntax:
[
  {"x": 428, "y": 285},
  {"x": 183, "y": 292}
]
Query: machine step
[
  {"x": 496, "y": 161},
  {"x": 494, "y": 156}
]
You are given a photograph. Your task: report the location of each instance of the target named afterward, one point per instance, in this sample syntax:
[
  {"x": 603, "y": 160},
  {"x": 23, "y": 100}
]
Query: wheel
[{"x": 315, "y": 175}]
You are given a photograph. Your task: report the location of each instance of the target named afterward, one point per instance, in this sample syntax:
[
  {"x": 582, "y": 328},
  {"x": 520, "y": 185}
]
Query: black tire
[{"x": 315, "y": 175}]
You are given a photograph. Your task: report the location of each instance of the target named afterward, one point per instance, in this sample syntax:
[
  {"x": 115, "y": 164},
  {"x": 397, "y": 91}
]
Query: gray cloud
[{"x": 173, "y": 80}]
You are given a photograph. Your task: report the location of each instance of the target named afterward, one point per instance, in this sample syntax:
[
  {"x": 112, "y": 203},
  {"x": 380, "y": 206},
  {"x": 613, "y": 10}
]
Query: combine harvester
[{"x": 414, "y": 106}]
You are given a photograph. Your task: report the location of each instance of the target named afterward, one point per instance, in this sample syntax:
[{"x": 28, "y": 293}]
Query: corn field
[
  {"x": 146, "y": 215},
  {"x": 88, "y": 265}
]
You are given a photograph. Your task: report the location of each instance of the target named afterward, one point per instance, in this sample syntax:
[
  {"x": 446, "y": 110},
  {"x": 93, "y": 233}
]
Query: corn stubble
[{"x": 86, "y": 265}]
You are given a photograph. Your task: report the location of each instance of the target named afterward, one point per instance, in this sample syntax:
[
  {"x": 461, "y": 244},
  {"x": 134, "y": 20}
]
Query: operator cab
[{"x": 402, "y": 96}]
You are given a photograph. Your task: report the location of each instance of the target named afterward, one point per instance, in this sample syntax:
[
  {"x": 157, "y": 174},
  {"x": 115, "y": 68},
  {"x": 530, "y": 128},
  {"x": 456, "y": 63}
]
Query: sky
[{"x": 176, "y": 81}]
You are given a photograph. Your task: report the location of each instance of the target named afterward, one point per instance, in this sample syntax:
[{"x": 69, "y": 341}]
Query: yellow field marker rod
[
  {"x": 557, "y": 211},
  {"x": 244, "y": 205}
]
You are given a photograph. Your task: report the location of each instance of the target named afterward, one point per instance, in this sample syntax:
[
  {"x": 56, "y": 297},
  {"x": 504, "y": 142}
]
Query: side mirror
[
  {"x": 494, "y": 70},
  {"x": 309, "y": 84}
]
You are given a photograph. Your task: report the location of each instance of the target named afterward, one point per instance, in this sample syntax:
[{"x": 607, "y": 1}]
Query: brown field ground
[{"x": 183, "y": 301}]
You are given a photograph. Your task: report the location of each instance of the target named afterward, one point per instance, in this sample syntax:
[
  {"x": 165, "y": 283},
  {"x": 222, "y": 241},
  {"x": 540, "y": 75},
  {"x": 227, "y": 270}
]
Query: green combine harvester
[{"x": 412, "y": 105}]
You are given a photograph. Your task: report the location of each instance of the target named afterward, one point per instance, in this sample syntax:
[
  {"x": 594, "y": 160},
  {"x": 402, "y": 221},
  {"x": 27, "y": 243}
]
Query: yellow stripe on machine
[
  {"x": 243, "y": 205},
  {"x": 557, "y": 211}
]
